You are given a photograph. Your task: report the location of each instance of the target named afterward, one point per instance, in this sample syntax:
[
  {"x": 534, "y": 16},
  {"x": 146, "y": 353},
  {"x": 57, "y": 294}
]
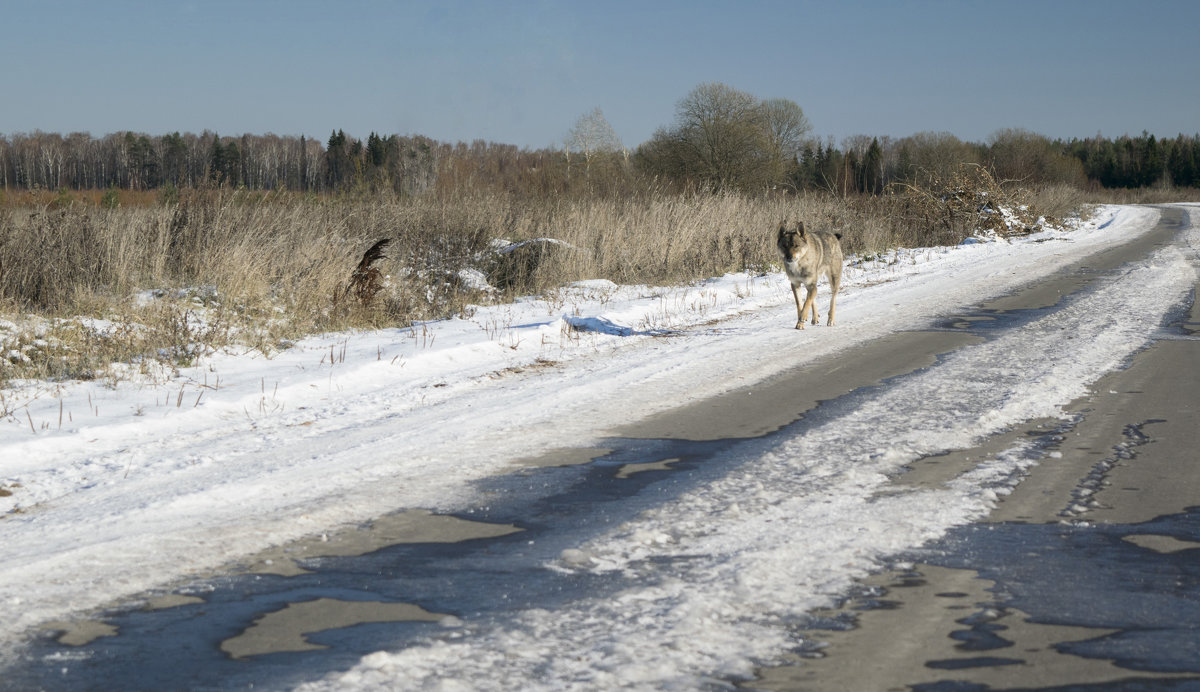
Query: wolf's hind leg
[{"x": 810, "y": 303}]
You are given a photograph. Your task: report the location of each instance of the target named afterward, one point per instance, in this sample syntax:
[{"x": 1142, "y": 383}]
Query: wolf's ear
[{"x": 800, "y": 227}]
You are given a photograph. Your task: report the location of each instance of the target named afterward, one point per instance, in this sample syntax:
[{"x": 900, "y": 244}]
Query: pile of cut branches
[{"x": 971, "y": 202}]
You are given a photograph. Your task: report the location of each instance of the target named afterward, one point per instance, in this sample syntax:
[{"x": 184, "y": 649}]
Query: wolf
[{"x": 806, "y": 256}]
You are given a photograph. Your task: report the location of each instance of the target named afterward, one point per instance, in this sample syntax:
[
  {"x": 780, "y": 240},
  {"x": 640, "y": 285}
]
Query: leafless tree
[
  {"x": 934, "y": 156},
  {"x": 727, "y": 138},
  {"x": 592, "y": 134},
  {"x": 787, "y": 127}
]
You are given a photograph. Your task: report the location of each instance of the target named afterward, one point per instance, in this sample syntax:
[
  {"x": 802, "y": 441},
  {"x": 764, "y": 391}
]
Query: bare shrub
[{"x": 366, "y": 281}]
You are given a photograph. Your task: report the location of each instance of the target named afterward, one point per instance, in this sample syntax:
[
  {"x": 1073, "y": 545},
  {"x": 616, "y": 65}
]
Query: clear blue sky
[{"x": 522, "y": 72}]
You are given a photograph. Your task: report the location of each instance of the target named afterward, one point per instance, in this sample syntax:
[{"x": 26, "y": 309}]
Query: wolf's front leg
[{"x": 799, "y": 309}]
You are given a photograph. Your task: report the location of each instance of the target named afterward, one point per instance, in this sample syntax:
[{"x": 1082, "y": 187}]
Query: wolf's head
[{"x": 792, "y": 242}]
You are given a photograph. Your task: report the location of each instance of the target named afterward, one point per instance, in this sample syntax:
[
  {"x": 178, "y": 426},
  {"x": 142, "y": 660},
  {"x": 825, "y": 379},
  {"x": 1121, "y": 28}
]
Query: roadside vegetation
[{"x": 134, "y": 254}]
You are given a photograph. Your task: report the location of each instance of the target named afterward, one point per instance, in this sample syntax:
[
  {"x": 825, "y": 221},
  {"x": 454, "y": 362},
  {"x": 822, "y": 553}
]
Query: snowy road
[{"x": 689, "y": 574}]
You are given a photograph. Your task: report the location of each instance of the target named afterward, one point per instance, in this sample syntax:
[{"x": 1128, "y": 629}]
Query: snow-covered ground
[{"x": 118, "y": 489}]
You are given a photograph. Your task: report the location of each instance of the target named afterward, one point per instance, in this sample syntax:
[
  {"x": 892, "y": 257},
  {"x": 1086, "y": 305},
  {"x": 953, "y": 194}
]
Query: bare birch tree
[{"x": 591, "y": 135}]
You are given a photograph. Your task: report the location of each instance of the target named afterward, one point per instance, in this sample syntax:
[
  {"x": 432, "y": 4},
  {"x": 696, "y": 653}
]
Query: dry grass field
[{"x": 87, "y": 281}]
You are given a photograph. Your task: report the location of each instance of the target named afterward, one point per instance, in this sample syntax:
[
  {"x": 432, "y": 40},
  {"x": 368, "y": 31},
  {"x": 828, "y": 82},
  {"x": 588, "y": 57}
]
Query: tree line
[
  {"x": 871, "y": 164},
  {"x": 721, "y": 138},
  {"x": 135, "y": 161}
]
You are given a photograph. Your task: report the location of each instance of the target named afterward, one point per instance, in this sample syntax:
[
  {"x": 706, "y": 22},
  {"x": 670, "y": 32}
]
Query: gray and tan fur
[{"x": 806, "y": 256}]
